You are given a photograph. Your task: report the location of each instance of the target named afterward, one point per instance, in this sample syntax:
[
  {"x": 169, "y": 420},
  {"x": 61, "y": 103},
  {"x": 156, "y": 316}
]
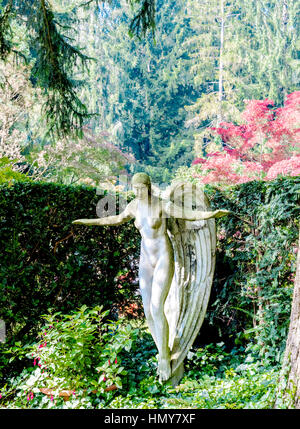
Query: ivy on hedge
[{"x": 256, "y": 263}]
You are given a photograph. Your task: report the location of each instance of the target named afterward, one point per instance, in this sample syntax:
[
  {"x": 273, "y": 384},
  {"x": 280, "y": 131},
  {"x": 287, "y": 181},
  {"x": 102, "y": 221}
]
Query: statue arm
[
  {"x": 123, "y": 217},
  {"x": 183, "y": 213}
]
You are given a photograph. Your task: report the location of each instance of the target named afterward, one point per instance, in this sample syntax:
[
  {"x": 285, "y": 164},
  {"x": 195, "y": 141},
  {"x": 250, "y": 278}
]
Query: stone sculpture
[{"x": 176, "y": 266}]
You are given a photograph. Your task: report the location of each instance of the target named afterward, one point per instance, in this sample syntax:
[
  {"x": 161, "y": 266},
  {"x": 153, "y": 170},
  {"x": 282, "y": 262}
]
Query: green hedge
[
  {"x": 46, "y": 262},
  {"x": 256, "y": 262}
]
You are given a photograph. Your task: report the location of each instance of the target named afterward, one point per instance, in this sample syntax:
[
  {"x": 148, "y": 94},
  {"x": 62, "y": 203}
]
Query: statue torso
[{"x": 149, "y": 220}]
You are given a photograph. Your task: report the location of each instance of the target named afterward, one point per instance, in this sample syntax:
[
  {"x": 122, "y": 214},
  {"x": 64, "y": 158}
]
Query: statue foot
[{"x": 164, "y": 369}]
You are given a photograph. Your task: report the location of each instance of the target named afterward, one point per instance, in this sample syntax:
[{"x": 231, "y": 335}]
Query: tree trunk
[{"x": 291, "y": 366}]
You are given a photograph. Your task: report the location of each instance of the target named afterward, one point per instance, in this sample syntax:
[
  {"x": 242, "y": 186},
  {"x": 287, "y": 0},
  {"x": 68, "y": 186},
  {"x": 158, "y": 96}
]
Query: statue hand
[
  {"x": 221, "y": 213},
  {"x": 81, "y": 221}
]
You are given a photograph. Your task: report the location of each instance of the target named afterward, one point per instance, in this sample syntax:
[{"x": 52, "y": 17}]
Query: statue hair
[{"x": 141, "y": 178}]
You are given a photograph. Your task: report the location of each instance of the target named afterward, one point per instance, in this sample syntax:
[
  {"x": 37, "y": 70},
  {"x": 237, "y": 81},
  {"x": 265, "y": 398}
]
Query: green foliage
[
  {"x": 144, "y": 19},
  {"x": 5, "y": 31},
  {"x": 212, "y": 359},
  {"x": 256, "y": 264},
  {"x": 140, "y": 88},
  {"x": 41, "y": 37},
  {"x": 76, "y": 352},
  {"x": 214, "y": 379},
  {"x": 54, "y": 58},
  {"x": 47, "y": 42},
  {"x": 9, "y": 175},
  {"x": 85, "y": 355},
  {"x": 248, "y": 386},
  {"x": 47, "y": 263}
]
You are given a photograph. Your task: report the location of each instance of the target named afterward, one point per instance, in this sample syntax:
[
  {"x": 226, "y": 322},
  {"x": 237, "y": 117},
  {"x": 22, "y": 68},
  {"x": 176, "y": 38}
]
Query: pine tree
[
  {"x": 139, "y": 87},
  {"x": 271, "y": 48},
  {"x": 53, "y": 56},
  {"x": 245, "y": 50}
]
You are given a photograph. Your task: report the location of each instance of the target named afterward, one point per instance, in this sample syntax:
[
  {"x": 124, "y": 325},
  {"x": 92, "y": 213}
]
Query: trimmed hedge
[{"x": 48, "y": 263}]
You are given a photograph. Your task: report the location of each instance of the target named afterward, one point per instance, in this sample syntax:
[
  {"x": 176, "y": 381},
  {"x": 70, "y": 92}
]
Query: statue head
[{"x": 141, "y": 185}]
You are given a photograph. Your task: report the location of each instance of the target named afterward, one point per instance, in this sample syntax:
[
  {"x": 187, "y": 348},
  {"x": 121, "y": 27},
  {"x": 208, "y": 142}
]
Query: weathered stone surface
[{"x": 177, "y": 264}]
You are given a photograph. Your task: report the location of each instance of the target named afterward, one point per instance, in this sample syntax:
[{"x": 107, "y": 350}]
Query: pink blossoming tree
[{"x": 265, "y": 146}]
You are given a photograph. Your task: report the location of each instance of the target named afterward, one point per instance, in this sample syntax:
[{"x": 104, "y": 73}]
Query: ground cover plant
[{"x": 95, "y": 364}]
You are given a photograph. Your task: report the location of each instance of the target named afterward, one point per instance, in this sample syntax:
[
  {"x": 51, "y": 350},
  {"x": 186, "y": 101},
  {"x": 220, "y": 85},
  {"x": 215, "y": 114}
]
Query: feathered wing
[{"x": 194, "y": 245}]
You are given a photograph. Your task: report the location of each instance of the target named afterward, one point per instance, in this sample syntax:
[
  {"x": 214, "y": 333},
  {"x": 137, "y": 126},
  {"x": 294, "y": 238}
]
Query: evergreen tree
[
  {"x": 140, "y": 88},
  {"x": 271, "y": 48},
  {"x": 245, "y": 50},
  {"x": 54, "y": 58}
]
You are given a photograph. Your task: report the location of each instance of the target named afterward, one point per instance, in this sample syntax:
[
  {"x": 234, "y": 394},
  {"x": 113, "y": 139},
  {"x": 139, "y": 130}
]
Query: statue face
[{"x": 141, "y": 191}]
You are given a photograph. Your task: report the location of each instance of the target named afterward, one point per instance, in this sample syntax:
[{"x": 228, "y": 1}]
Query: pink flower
[
  {"x": 34, "y": 362},
  {"x": 116, "y": 361},
  {"x": 51, "y": 398},
  {"x": 237, "y": 234},
  {"x": 32, "y": 395},
  {"x": 0, "y": 396},
  {"x": 289, "y": 166}
]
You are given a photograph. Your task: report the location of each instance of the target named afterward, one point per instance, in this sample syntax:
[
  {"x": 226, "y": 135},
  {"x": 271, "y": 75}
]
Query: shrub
[
  {"x": 101, "y": 364},
  {"x": 77, "y": 353},
  {"x": 48, "y": 263}
]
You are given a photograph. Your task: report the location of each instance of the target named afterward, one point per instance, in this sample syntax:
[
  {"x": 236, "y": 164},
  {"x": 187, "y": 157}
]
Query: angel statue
[{"x": 176, "y": 264}]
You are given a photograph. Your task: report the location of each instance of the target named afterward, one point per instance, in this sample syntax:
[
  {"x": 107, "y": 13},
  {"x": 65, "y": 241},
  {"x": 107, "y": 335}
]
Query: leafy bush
[
  {"x": 77, "y": 353},
  {"x": 214, "y": 379},
  {"x": 9, "y": 173},
  {"x": 249, "y": 386},
  {"x": 212, "y": 359},
  {"x": 102, "y": 364}
]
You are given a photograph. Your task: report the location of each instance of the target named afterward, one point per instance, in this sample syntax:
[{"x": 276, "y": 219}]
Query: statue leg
[
  {"x": 145, "y": 281},
  {"x": 177, "y": 375},
  {"x": 162, "y": 278}
]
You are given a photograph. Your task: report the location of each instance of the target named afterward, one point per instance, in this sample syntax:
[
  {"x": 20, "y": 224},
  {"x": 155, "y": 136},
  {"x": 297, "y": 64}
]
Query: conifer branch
[
  {"x": 5, "y": 44},
  {"x": 145, "y": 18}
]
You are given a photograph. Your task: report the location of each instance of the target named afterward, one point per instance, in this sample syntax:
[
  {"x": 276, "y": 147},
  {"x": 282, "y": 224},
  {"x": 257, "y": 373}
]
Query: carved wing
[{"x": 194, "y": 245}]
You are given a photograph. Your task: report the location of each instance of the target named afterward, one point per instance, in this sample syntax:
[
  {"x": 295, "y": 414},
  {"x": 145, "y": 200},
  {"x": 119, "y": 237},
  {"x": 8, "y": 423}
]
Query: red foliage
[
  {"x": 130, "y": 309},
  {"x": 265, "y": 146}
]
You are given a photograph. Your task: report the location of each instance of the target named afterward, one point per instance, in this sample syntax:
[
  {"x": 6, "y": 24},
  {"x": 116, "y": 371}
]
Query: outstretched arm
[
  {"x": 123, "y": 217},
  {"x": 187, "y": 214}
]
